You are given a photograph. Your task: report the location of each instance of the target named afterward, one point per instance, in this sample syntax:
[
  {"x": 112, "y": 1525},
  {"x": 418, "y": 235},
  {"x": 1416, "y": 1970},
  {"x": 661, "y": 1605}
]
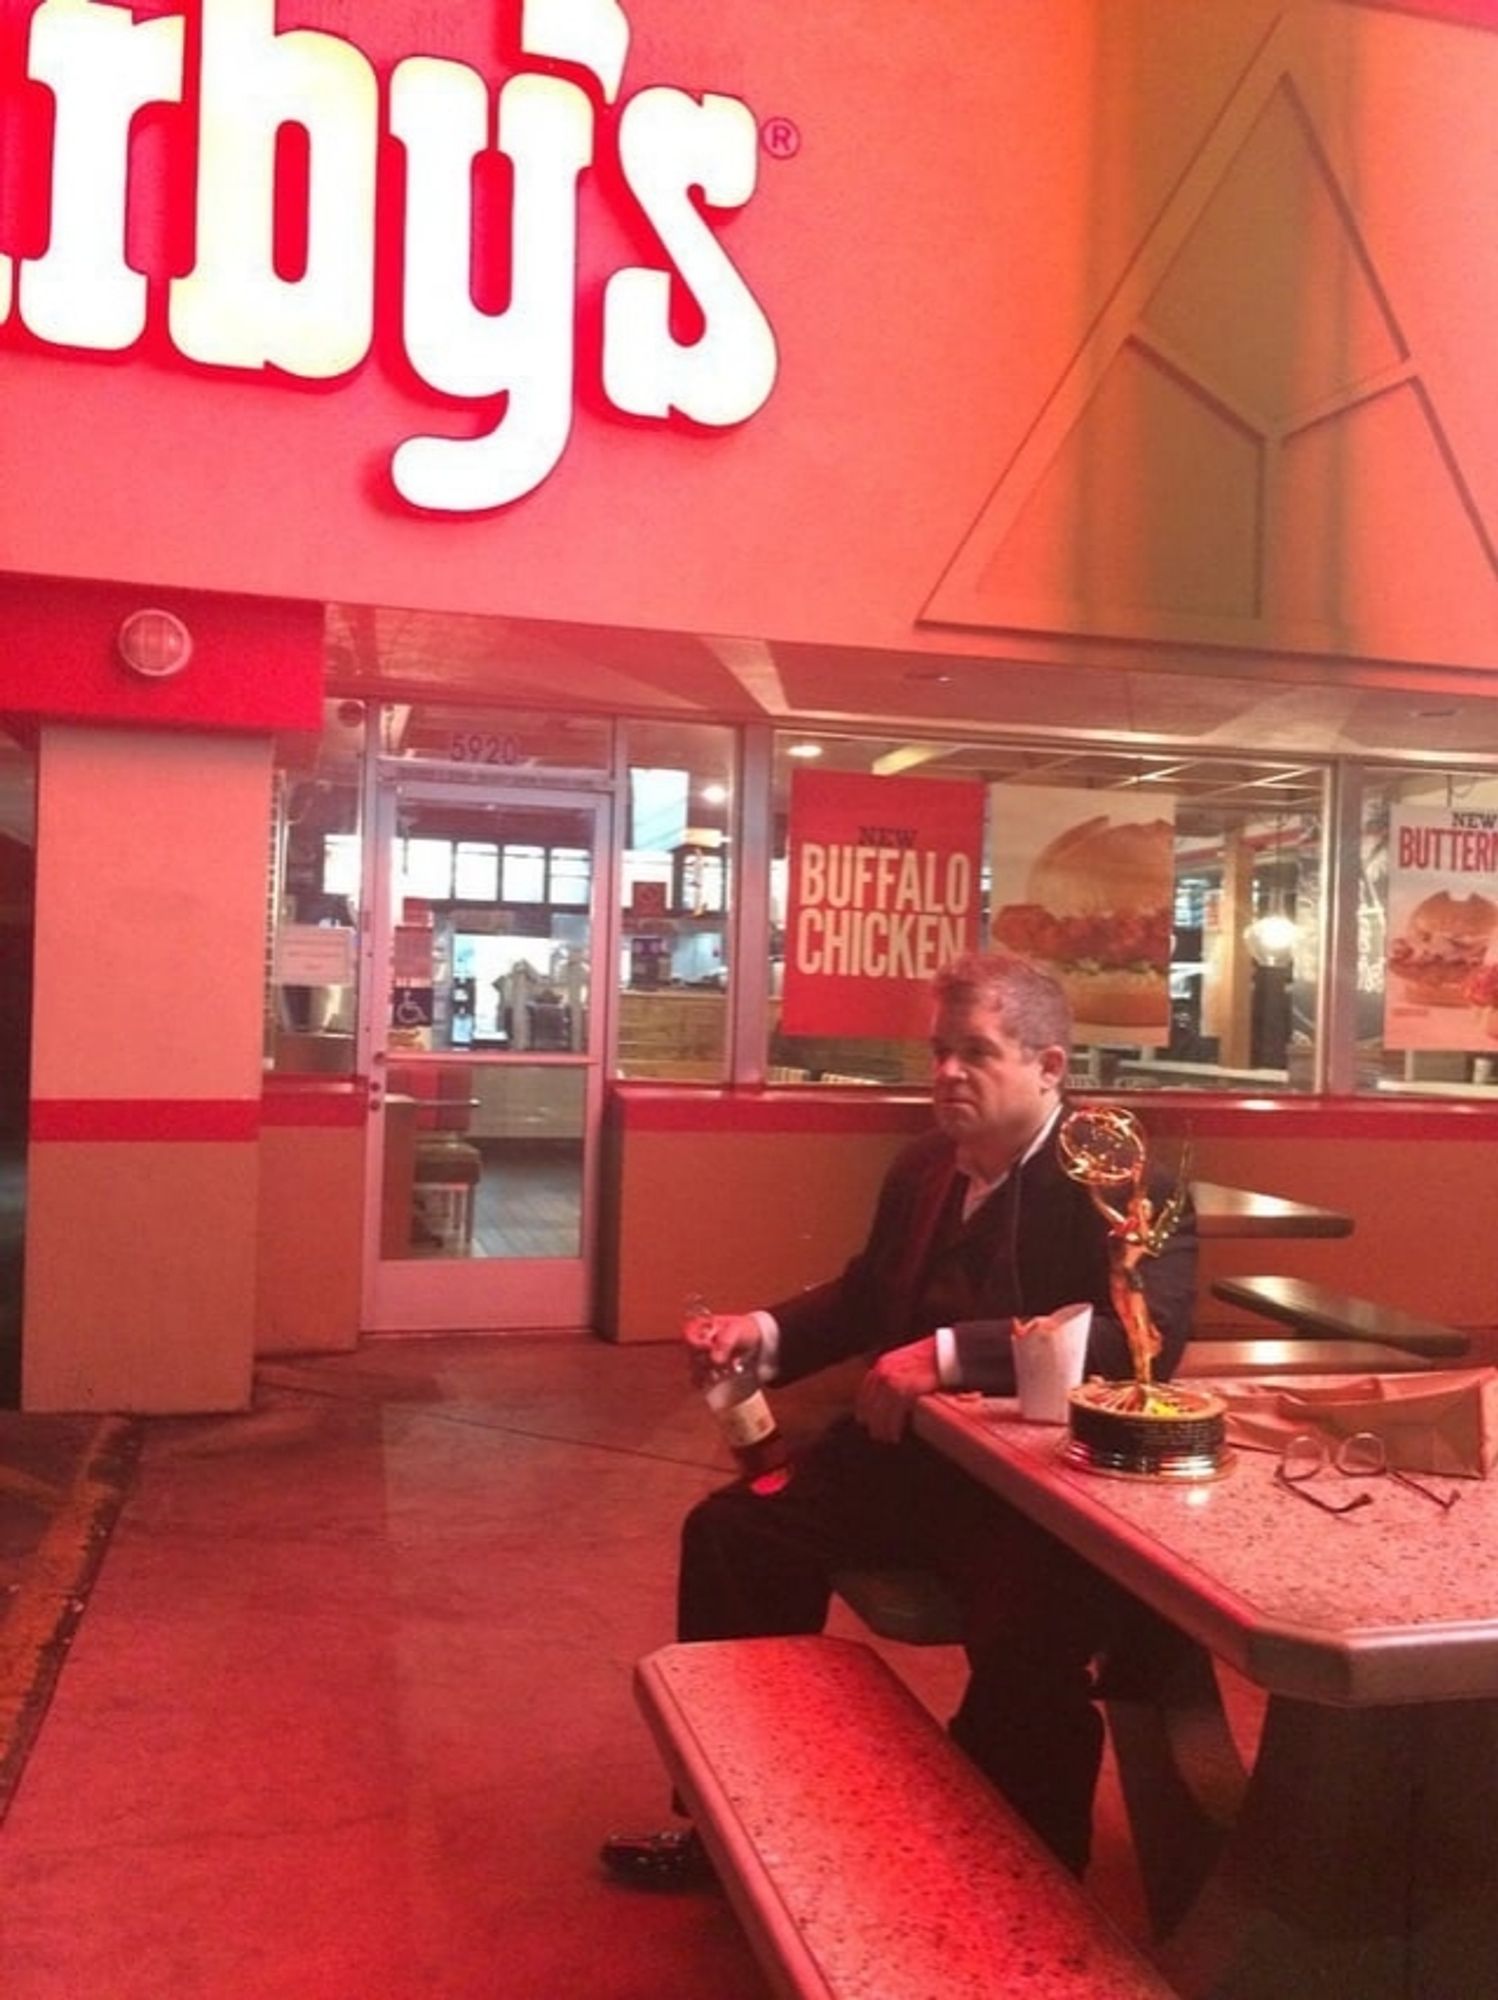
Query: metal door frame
[{"x": 470, "y": 1288}]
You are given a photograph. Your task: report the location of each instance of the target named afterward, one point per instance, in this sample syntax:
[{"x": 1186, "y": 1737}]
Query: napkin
[{"x": 1441, "y": 1420}]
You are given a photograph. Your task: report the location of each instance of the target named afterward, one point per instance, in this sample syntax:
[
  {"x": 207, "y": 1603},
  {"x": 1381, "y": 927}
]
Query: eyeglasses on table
[{"x": 1362, "y": 1455}]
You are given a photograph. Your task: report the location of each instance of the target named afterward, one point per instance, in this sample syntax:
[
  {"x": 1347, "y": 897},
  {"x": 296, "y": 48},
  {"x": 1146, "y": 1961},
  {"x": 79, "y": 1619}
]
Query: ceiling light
[
  {"x": 1271, "y": 939},
  {"x": 804, "y": 750},
  {"x": 1273, "y": 935},
  {"x": 714, "y": 795}
]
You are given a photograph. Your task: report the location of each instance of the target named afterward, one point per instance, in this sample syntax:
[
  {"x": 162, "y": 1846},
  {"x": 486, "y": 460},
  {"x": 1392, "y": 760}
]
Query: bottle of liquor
[{"x": 732, "y": 1392}]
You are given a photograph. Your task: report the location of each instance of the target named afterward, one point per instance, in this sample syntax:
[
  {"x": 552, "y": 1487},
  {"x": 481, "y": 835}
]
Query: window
[
  {"x": 426, "y": 870},
  {"x": 340, "y": 865},
  {"x": 311, "y": 991},
  {"x": 1427, "y": 947},
  {"x": 476, "y": 871},
  {"x": 1237, "y": 936},
  {"x": 522, "y": 877},
  {"x": 674, "y": 924},
  {"x": 569, "y": 876}
]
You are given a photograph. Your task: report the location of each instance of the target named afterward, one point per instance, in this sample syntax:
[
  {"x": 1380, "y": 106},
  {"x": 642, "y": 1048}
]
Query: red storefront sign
[
  {"x": 883, "y": 893},
  {"x": 255, "y": 663},
  {"x": 278, "y": 154}
]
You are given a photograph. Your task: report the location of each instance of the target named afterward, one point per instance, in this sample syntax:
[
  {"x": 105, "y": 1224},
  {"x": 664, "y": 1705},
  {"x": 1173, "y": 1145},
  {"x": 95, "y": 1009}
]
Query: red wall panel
[{"x": 255, "y": 663}]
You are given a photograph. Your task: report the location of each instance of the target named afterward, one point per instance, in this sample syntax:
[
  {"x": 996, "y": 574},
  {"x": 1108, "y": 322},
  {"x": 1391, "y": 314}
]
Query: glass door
[{"x": 483, "y": 1039}]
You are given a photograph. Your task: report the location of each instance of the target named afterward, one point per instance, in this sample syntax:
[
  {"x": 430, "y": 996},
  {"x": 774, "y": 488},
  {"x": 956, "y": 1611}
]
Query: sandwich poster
[
  {"x": 1441, "y": 984},
  {"x": 883, "y": 891},
  {"x": 1084, "y": 885}
]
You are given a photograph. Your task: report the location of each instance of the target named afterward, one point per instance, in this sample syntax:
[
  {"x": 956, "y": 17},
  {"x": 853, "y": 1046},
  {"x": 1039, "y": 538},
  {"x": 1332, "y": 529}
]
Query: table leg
[
  {"x": 1180, "y": 1774},
  {"x": 1362, "y": 1866}
]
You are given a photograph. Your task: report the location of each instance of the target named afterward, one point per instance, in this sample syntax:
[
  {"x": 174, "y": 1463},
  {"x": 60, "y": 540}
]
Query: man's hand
[
  {"x": 723, "y": 1335},
  {"x": 892, "y": 1385}
]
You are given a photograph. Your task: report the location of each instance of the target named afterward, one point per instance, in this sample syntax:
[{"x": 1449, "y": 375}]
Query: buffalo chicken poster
[
  {"x": 1441, "y": 983},
  {"x": 1084, "y": 885},
  {"x": 883, "y": 891}
]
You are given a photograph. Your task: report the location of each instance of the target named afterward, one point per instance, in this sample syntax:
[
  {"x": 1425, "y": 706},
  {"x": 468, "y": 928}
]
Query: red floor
[{"x": 349, "y": 1707}]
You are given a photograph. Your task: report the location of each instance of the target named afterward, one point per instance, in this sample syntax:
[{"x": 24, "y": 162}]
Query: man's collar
[{"x": 1043, "y": 1133}]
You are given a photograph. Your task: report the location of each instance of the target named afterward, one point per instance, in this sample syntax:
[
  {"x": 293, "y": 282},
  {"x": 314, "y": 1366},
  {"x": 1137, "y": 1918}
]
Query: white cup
[{"x": 1049, "y": 1360}]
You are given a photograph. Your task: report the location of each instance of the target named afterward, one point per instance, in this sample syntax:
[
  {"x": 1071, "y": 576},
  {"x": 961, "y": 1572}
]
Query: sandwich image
[
  {"x": 1443, "y": 944},
  {"x": 1481, "y": 991},
  {"x": 1098, "y": 919}
]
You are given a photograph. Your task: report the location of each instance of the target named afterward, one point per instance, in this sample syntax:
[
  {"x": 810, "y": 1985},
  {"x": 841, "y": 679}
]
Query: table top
[
  {"x": 1395, "y": 1603},
  {"x": 1234, "y": 1211}
]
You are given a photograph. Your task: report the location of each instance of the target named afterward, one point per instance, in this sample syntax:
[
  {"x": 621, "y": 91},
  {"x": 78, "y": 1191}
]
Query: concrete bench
[
  {"x": 863, "y": 1854},
  {"x": 1318, "y": 1311},
  {"x": 1179, "y": 1768}
]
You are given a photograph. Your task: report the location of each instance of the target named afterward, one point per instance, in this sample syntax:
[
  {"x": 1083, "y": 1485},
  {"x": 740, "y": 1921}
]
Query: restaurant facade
[{"x": 557, "y": 557}]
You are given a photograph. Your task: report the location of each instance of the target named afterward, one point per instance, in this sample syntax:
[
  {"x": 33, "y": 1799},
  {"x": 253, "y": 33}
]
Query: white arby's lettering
[
  {"x": 441, "y": 112},
  {"x": 101, "y": 68},
  {"x": 234, "y": 309},
  {"x": 668, "y": 143}
]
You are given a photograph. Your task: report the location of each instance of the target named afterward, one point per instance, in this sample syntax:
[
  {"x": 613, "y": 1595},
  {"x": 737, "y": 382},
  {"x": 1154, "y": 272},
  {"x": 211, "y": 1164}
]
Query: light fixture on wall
[
  {"x": 1273, "y": 934},
  {"x": 154, "y": 643}
]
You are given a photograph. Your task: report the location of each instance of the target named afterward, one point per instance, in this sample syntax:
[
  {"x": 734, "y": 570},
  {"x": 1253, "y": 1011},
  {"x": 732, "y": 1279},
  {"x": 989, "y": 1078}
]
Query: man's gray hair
[{"x": 1029, "y": 1002}]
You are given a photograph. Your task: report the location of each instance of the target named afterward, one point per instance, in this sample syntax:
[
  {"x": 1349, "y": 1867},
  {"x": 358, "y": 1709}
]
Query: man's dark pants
[{"x": 756, "y": 1560}]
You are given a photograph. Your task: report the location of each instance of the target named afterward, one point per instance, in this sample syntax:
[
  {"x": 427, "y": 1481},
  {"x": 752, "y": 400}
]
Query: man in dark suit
[{"x": 977, "y": 1225}]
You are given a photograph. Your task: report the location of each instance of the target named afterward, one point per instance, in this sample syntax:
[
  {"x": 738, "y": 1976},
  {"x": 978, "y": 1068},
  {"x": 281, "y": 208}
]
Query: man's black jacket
[{"x": 1036, "y": 1244}]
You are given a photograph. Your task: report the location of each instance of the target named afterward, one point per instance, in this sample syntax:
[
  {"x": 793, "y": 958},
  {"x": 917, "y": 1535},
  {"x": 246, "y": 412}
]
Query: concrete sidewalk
[
  {"x": 62, "y": 1483},
  {"x": 349, "y": 1708}
]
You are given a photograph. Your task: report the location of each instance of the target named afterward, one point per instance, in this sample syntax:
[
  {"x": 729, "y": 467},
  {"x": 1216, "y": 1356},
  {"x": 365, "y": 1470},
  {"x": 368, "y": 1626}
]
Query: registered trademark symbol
[{"x": 780, "y": 138}]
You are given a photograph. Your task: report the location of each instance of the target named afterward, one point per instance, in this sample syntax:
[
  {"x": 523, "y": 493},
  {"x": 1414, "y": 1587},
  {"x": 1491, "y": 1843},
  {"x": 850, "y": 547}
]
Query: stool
[{"x": 447, "y": 1171}]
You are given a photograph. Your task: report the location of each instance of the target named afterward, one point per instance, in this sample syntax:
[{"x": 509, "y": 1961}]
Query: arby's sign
[{"x": 676, "y": 156}]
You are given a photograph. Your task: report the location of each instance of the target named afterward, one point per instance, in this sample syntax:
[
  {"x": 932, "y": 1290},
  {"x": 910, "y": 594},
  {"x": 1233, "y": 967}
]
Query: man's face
[{"x": 988, "y": 1090}]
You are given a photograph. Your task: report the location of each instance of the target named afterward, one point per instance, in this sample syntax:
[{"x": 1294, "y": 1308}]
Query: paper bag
[{"x": 1443, "y": 1421}]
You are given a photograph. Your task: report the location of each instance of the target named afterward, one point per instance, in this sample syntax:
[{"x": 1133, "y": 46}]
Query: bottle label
[{"x": 746, "y": 1423}]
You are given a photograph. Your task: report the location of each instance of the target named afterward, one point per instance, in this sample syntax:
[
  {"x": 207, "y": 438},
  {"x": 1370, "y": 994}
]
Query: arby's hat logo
[{"x": 679, "y": 156}]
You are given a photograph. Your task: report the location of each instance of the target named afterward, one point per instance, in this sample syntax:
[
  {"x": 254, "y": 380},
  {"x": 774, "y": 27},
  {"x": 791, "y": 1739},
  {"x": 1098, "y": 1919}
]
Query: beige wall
[
  {"x": 741, "y": 1219},
  {"x": 309, "y": 1272},
  {"x": 770, "y": 1211},
  {"x": 150, "y": 950},
  {"x": 140, "y": 1277},
  {"x": 1423, "y": 1209}
]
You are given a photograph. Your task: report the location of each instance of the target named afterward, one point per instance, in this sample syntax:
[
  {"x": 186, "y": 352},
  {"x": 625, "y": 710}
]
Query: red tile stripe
[
  {"x": 1357, "y": 1118},
  {"x": 643, "y": 1108},
  {"x": 111, "y": 1120}
]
